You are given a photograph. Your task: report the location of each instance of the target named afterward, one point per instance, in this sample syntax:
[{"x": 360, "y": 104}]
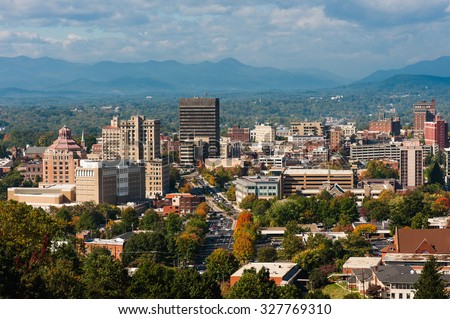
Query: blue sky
[{"x": 349, "y": 37}]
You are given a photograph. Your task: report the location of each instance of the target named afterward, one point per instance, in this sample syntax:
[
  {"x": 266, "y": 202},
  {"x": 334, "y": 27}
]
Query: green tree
[
  {"x": 254, "y": 285},
  {"x": 148, "y": 243},
  {"x": 130, "y": 219},
  {"x": 62, "y": 281},
  {"x": 152, "y": 281},
  {"x": 247, "y": 201},
  {"x": 291, "y": 245},
  {"x": 221, "y": 264},
  {"x": 420, "y": 221},
  {"x": 317, "y": 279},
  {"x": 317, "y": 294},
  {"x": 434, "y": 174},
  {"x": 103, "y": 276},
  {"x": 189, "y": 284},
  {"x": 267, "y": 254},
  {"x": 430, "y": 285},
  {"x": 231, "y": 193},
  {"x": 376, "y": 169},
  {"x": 352, "y": 295},
  {"x": 151, "y": 221}
]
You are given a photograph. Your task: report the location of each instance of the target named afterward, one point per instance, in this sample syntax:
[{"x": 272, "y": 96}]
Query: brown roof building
[
  {"x": 412, "y": 247},
  {"x": 61, "y": 159}
]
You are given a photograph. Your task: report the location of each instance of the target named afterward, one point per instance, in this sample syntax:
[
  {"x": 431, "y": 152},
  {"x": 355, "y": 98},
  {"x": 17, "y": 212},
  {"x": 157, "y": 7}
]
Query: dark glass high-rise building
[{"x": 199, "y": 123}]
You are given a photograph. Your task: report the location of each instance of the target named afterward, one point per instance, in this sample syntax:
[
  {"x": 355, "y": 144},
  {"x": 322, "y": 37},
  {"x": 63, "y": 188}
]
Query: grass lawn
[{"x": 335, "y": 291}]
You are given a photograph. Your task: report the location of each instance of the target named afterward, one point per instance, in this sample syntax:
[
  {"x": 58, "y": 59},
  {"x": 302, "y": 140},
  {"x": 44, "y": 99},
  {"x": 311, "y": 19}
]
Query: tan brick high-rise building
[
  {"x": 138, "y": 140},
  {"x": 111, "y": 140},
  {"x": 61, "y": 159}
]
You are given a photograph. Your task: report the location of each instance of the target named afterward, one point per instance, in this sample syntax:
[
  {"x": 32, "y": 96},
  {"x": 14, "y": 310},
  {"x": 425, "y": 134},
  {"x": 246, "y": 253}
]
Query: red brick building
[
  {"x": 238, "y": 134},
  {"x": 389, "y": 126},
  {"x": 33, "y": 171},
  {"x": 423, "y": 112},
  {"x": 336, "y": 137},
  {"x": 436, "y": 132},
  {"x": 179, "y": 203}
]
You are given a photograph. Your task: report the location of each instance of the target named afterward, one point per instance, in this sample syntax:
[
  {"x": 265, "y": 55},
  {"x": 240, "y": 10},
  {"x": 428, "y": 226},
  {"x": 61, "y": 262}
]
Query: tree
[
  {"x": 291, "y": 245},
  {"x": 61, "y": 281},
  {"x": 221, "y": 264},
  {"x": 202, "y": 210},
  {"x": 231, "y": 193},
  {"x": 435, "y": 174},
  {"x": 152, "y": 281},
  {"x": 317, "y": 294},
  {"x": 376, "y": 169},
  {"x": 254, "y": 285},
  {"x": 373, "y": 291},
  {"x": 149, "y": 243},
  {"x": 317, "y": 279},
  {"x": 247, "y": 201},
  {"x": 189, "y": 284},
  {"x": 430, "y": 285},
  {"x": 103, "y": 276},
  {"x": 365, "y": 229},
  {"x": 130, "y": 219},
  {"x": 151, "y": 221},
  {"x": 244, "y": 248},
  {"x": 420, "y": 221},
  {"x": 267, "y": 254},
  {"x": 352, "y": 295}
]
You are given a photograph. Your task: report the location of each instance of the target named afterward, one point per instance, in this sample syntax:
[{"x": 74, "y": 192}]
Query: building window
[{"x": 393, "y": 296}]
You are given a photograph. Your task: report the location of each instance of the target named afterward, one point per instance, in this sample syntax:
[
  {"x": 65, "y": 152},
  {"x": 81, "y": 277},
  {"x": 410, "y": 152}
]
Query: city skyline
[{"x": 352, "y": 39}]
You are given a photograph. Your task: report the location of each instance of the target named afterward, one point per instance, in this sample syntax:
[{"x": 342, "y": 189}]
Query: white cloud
[
  {"x": 347, "y": 36},
  {"x": 305, "y": 18}
]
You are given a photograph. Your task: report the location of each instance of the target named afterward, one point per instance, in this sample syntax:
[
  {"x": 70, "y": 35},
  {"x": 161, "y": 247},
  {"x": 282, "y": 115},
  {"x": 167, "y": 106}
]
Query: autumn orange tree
[
  {"x": 202, "y": 210},
  {"x": 365, "y": 229},
  {"x": 244, "y": 236}
]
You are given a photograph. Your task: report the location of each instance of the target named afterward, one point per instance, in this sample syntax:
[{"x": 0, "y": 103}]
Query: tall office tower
[
  {"x": 140, "y": 139},
  {"x": 61, "y": 159},
  {"x": 199, "y": 119},
  {"x": 423, "y": 112},
  {"x": 111, "y": 140},
  {"x": 436, "y": 133},
  {"x": 411, "y": 167}
]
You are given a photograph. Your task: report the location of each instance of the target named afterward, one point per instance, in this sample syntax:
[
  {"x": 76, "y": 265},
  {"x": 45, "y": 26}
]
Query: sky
[{"x": 352, "y": 38}]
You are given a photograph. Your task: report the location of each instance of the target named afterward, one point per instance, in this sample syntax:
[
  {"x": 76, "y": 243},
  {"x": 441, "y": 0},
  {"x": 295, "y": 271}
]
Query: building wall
[
  {"x": 140, "y": 139},
  {"x": 265, "y": 133},
  {"x": 109, "y": 182},
  {"x": 411, "y": 167},
  {"x": 199, "y": 117},
  {"x": 298, "y": 179},
  {"x": 307, "y": 128},
  {"x": 376, "y": 151},
  {"x": 157, "y": 178},
  {"x": 238, "y": 134},
  {"x": 423, "y": 112}
]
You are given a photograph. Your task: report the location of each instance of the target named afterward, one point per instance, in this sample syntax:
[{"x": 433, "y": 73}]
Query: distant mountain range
[
  {"x": 46, "y": 76},
  {"x": 437, "y": 68}
]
